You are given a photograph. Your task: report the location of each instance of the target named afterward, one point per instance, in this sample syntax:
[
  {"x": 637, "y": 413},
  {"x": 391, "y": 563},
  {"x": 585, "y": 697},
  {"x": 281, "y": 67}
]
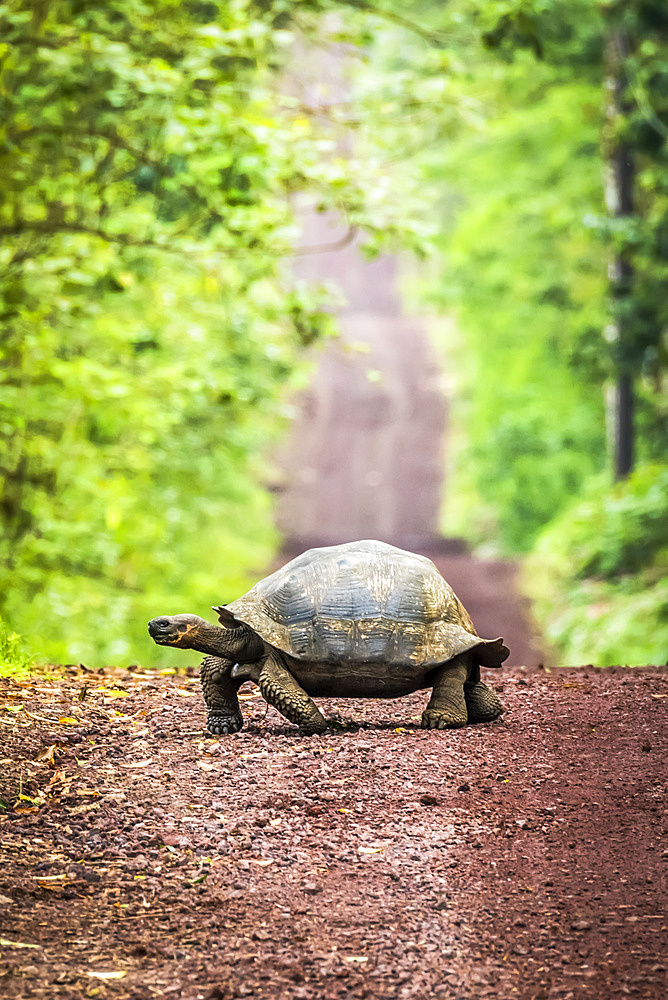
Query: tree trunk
[{"x": 619, "y": 201}]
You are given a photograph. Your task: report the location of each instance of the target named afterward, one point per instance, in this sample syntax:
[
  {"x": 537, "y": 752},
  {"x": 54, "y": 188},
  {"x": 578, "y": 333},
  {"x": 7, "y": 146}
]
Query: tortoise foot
[
  {"x": 433, "y": 718},
  {"x": 223, "y": 725},
  {"x": 482, "y": 703},
  {"x": 314, "y": 728}
]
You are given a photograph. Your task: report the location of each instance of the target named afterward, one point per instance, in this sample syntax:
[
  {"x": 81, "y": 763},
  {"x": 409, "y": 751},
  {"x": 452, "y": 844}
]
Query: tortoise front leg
[
  {"x": 281, "y": 690},
  {"x": 447, "y": 705},
  {"x": 220, "y": 694}
]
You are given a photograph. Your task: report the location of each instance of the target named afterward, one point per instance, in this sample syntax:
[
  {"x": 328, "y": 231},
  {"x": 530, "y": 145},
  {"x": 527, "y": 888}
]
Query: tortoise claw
[
  {"x": 433, "y": 719},
  {"x": 223, "y": 725}
]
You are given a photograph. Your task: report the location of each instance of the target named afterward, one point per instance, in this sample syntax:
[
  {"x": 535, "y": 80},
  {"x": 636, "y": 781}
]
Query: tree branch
[
  {"x": 47, "y": 227},
  {"x": 326, "y": 247},
  {"x": 433, "y": 37}
]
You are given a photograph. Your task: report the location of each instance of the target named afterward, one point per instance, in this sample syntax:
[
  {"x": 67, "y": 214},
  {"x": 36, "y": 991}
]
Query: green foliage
[
  {"x": 15, "y": 660},
  {"x": 515, "y": 153},
  {"x": 599, "y": 573},
  {"x": 152, "y": 154},
  {"x": 625, "y": 530},
  {"x": 526, "y": 283},
  {"x": 150, "y": 161}
]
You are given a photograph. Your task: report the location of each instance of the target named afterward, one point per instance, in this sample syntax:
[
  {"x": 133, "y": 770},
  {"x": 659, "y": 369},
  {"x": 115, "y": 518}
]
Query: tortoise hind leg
[
  {"x": 447, "y": 705},
  {"x": 220, "y": 694},
  {"x": 482, "y": 703},
  {"x": 281, "y": 690}
]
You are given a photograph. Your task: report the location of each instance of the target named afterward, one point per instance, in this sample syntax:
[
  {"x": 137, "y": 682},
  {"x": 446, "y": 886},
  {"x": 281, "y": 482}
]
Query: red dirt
[{"x": 522, "y": 859}]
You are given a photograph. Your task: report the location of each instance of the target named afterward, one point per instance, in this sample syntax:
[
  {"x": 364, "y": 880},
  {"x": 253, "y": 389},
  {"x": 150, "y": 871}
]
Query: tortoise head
[
  {"x": 184, "y": 631},
  {"x": 233, "y": 639}
]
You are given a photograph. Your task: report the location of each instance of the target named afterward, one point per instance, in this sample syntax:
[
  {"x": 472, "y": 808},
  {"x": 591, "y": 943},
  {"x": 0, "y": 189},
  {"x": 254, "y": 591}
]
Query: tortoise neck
[{"x": 240, "y": 644}]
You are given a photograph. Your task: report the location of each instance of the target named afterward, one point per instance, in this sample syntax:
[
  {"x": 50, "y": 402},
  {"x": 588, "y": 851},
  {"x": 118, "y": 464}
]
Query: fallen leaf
[
  {"x": 69, "y": 720},
  {"x": 370, "y": 850},
  {"x": 356, "y": 958},
  {"x": 138, "y": 763},
  {"x": 17, "y": 944},
  {"x": 108, "y": 975},
  {"x": 46, "y": 754},
  {"x": 657, "y": 696},
  {"x": 203, "y": 766}
]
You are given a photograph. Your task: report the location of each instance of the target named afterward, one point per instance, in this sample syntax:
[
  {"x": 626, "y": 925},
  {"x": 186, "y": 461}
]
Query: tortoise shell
[{"x": 363, "y": 602}]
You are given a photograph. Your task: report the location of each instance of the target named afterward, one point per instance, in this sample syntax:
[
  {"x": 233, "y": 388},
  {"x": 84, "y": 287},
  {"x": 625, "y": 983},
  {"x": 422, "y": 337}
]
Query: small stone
[
  {"x": 581, "y": 925},
  {"x": 311, "y": 888}
]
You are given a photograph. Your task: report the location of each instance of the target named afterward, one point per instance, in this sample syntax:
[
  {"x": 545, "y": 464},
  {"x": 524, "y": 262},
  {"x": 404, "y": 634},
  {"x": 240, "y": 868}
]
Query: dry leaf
[
  {"x": 17, "y": 944},
  {"x": 51, "y": 881},
  {"x": 203, "y": 766},
  {"x": 69, "y": 720},
  {"x": 46, "y": 754},
  {"x": 138, "y": 763},
  {"x": 370, "y": 850},
  {"x": 108, "y": 975}
]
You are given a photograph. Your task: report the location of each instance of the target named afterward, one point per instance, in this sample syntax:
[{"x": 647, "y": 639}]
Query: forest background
[{"x": 152, "y": 329}]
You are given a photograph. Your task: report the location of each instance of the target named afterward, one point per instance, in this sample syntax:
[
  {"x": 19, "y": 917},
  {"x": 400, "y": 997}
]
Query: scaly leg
[
  {"x": 482, "y": 703},
  {"x": 220, "y": 695},
  {"x": 281, "y": 690},
  {"x": 447, "y": 706}
]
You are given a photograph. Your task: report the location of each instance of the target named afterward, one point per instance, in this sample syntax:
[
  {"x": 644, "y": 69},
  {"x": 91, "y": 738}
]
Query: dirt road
[{"x": 525, "y": 859}]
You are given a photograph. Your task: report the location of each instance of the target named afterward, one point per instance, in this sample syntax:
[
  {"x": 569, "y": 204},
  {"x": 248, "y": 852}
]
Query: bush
[
  {"x": 599, "y": 573},
  {"x": 14, "y": 658}
]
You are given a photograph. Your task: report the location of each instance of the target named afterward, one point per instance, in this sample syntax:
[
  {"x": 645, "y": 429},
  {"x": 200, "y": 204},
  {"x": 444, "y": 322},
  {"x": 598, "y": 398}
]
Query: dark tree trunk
[{"x": 619, "y": 200}]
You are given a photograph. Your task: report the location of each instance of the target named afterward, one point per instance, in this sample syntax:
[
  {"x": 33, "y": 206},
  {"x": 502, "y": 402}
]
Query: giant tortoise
[{"x": 359, "y": 620}]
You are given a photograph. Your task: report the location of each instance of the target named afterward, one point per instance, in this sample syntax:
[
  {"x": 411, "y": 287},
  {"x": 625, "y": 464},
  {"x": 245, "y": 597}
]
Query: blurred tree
[
  {"x": 149, "y": 157},
  {"x": 619, "y": 201},
  {"x": 634, "y": 69}
]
